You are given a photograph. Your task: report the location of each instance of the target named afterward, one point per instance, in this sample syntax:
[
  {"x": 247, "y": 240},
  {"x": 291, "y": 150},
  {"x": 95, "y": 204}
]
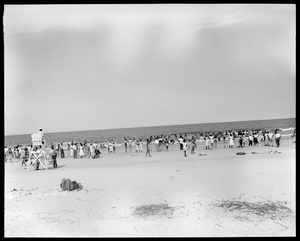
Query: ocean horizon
[{"x": 118, "y": 134}]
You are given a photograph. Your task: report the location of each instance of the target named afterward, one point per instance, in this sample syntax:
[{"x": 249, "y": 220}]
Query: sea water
[{"x": 103, "y": 136}]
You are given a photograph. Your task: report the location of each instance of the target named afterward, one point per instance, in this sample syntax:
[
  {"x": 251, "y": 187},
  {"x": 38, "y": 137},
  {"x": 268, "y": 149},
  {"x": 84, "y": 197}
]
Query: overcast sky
[{"x": 86, "y": 67}]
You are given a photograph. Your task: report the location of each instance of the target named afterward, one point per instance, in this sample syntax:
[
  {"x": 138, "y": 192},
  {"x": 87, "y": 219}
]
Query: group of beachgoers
[{"x": 92, "y": 149}]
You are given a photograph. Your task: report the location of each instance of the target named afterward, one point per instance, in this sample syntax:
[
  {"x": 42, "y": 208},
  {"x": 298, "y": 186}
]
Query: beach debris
[
  {"x": 202, "y": 154},
  {"x": 219, "y": 225},
  {"x": 265, "y": 210},
  {"x": 154, "y": 210}
]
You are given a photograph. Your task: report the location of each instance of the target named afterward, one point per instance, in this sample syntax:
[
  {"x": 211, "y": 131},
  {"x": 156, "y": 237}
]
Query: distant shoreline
[{"x": 118, "y": 135}]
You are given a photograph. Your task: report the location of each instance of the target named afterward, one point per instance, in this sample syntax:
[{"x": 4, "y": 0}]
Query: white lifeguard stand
[{"x": 40, "y": 155}]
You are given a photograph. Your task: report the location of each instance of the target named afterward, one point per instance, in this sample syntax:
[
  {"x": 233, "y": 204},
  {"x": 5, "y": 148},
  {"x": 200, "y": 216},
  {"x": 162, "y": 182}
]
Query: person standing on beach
[
  {"x": 148, "y": 148},
  {"x": 57, "y": 150},
  {"x": 130, "y": 145},
  {"x": 125, "y": 144},
  {"x": 53, "y": 156},
  {"x": 240, "y": 141},
  {"x": 207, "y": 143},
  {"x": 156, "y": 142},
  {"x": 141, "y": 146},
  {"x": 250, "y": 138},
  {"x": 81, "y": 152},
  {"x": 5, "y": 153},
  {"x": 194, "y": 146},
  {"x": 277, "y": 138},
  {"x": 74, "y": 151},
  {"x": 274, "y": 139},
  {"x": 180, "y": 140},
  {"x": 255, "y": 138},
  {"x": 92, "y": 150},
  {"x": 216, "y": 141},
  {"x": 71, "y": 149},
  {"x": 62, "y": 152},
  {"x": 266, "y": 138},
  {"x": 114, "y": 144},
  {"x": 270, "y": 138},
  {"x": 211, "y": 137},
  {"x": 167, "y": 143},
  {"x": 9, "y": 154},
  {"x": 22, "y": 156},
  {"x": 231, "y": 144},
  {"x": 137, "y": 143},
  {"x": 109, "y": 147},
  {"x": 184, "y": 147}
]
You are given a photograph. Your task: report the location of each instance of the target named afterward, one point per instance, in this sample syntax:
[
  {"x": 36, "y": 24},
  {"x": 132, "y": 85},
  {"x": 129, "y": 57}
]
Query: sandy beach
[{"x": 193, "y": 186}]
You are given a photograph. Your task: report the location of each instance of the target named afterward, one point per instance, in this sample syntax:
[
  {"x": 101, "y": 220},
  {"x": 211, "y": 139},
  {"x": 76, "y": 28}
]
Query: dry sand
[{"x": 115, "y": 184}]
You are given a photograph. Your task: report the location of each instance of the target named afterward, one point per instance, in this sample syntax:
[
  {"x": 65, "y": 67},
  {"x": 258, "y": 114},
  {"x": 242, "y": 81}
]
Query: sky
[{"x": 88, "y": 67}]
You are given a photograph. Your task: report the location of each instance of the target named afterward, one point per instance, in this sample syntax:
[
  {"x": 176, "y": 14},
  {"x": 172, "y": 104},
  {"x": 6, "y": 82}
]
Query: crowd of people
[{"x": 211, "y": 140}]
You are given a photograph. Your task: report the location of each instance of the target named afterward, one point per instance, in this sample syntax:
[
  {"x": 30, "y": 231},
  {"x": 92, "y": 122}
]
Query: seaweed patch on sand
[
  {"x": 154, "y": 210},
  {"x": 262, "y": 210}
]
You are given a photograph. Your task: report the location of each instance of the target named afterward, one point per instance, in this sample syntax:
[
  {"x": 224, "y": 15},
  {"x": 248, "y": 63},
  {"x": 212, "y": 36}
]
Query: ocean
[{"x": 118, "y": 135}]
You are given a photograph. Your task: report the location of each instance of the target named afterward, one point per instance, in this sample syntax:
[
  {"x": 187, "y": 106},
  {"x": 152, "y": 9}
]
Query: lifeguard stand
[{"x": 40, "y": 155}]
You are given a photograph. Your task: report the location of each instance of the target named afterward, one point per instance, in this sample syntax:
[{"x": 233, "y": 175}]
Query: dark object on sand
[{"x": 67, "y": 184}]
